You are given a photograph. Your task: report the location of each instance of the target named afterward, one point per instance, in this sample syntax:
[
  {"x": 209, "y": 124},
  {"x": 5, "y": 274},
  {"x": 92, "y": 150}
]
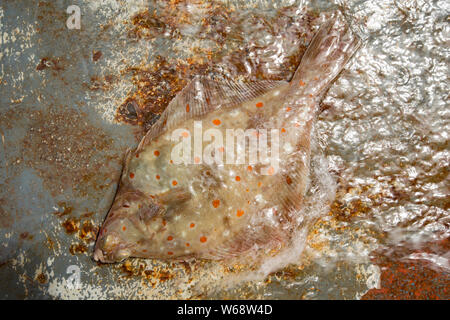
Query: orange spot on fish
[
  {"x": 203, "y": 239},
  {"x": 124, "y": 228},
  {"x": 301, "y": 83},
  {"x": 255, "y": 133},
  {"x": 131, "y": 175},
  {"x": 221, "y": 149},
  {"x": 145, "y": 250},
  {"x": 259, "y": 184},
  {"x": 192, "y": 225},
  {"x": 187, "y": 108},
  {"x": 171, "y": 161},
  {"x": 249, "y": 168},
  {"x": 187, "y": 244},
  {"x": 216, "y": 203},
  {"x": 238, "y": 178},
  {"x": 288, "y": 180},
  {"x": 216, "y": 122},
  {"x": 270, "y": 171},
  {"x": 169, "y": 238},
  {"x": 185, "y": 134},
  {"x": 288, "y": 109},
  {"x": 196, "y": 159},
  {"x": 283, "y": 130},
  {"x": 247, "y": 190},
  {"x": 259, "y": 104},
  {"x": 137, "y": 155},
  {"x": 164, "y": 222},
  {"x": 156, "y": 153},
  {"x": 240, "y": 213},
  {"x": 174, "y": 182},
  {"x": 157, "y": 177},
  {"x": 170, "y": 253}
]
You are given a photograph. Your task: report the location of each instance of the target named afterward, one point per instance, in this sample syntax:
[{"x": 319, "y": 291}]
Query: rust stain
[
  {"x": 71, "y": 225},
  {"x": 289, "y": 273},
  {"x": 26, "y": 236},
  {"x": 41, "y": 278},
  {"x": 78, "y": 248},
  {"x": 55, "y": 64},
  {"x": 411, "y": 279},
  {"x": 157, "y": 84},
  {"x": 6, "y": 220},
  {"x": 127, "y": 269},
  {"x": 85, "y": 231},
  {"x": 96, "y": 55},
  {"x": 155, "y": 87},
  {"x": 100, "y": 83},
  {"x": 186, "y": 266},
  {"x": 153, "y": 276},
  {"x": 87, "y": 214},
  {"x": 349, "y": 211},
  {"x": 161, "y": 275},
  {"x": 88, "y": 232},
  {"x": 66, "y": 210},
  {"x": 50, "y": 243}
]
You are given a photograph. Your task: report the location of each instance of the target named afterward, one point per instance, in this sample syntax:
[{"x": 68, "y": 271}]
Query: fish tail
[{"x": 328, "y": 53}]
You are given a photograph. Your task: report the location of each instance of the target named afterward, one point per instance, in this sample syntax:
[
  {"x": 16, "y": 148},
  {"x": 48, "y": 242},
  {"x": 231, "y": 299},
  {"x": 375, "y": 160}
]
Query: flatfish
[{"x": 223, "y": 173}]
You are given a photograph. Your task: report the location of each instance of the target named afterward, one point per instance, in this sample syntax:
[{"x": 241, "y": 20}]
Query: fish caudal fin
[{"x": 328, "y": 53}]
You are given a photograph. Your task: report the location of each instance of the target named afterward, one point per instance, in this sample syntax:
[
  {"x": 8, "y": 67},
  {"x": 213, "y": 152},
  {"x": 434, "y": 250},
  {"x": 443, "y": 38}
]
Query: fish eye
[{"x": 110, "y": 241}]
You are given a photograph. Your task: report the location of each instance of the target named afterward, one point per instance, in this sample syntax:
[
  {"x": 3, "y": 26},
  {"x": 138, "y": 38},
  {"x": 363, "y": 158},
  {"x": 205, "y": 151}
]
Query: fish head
[{"x": 129, "y": 227}]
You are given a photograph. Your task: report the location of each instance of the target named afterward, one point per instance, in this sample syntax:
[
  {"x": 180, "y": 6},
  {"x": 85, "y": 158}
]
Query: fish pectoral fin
[
  {"x": 160, "y": 204},
  {"x": 147, "y": 213},
  {"x": 174, "y": 196}
]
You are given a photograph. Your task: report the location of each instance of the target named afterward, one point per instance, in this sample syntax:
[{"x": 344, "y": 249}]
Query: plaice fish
[{"x": 223, "y": 172}]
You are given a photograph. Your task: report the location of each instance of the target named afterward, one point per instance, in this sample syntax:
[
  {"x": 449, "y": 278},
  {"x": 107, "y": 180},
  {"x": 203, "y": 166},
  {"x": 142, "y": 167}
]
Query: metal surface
[{"x": 382, "y": 150}]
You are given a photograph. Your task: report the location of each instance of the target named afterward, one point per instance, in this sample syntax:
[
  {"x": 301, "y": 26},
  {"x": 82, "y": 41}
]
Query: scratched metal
[{"x": 380, "y": 184}]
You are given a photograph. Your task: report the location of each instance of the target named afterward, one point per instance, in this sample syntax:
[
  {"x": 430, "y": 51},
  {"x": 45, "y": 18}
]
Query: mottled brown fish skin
[{"x": 179, "y": 211}]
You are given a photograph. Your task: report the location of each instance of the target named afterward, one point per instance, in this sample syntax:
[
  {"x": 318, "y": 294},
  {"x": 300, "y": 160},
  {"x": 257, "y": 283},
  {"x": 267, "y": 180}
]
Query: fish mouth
[
  {"x": 107, "y": 252},
  {"x": 118, "y": 256},
  {"x": 98, "y": 255}
]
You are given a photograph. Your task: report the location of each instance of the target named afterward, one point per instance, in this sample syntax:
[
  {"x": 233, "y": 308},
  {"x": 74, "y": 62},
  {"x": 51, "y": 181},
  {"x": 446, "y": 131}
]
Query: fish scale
[{"x": 198, "y": 205}]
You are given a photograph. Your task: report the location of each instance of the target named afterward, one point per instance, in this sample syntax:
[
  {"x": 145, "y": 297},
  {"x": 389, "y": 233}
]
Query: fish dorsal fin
[{"x": 203, "y": 95}]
